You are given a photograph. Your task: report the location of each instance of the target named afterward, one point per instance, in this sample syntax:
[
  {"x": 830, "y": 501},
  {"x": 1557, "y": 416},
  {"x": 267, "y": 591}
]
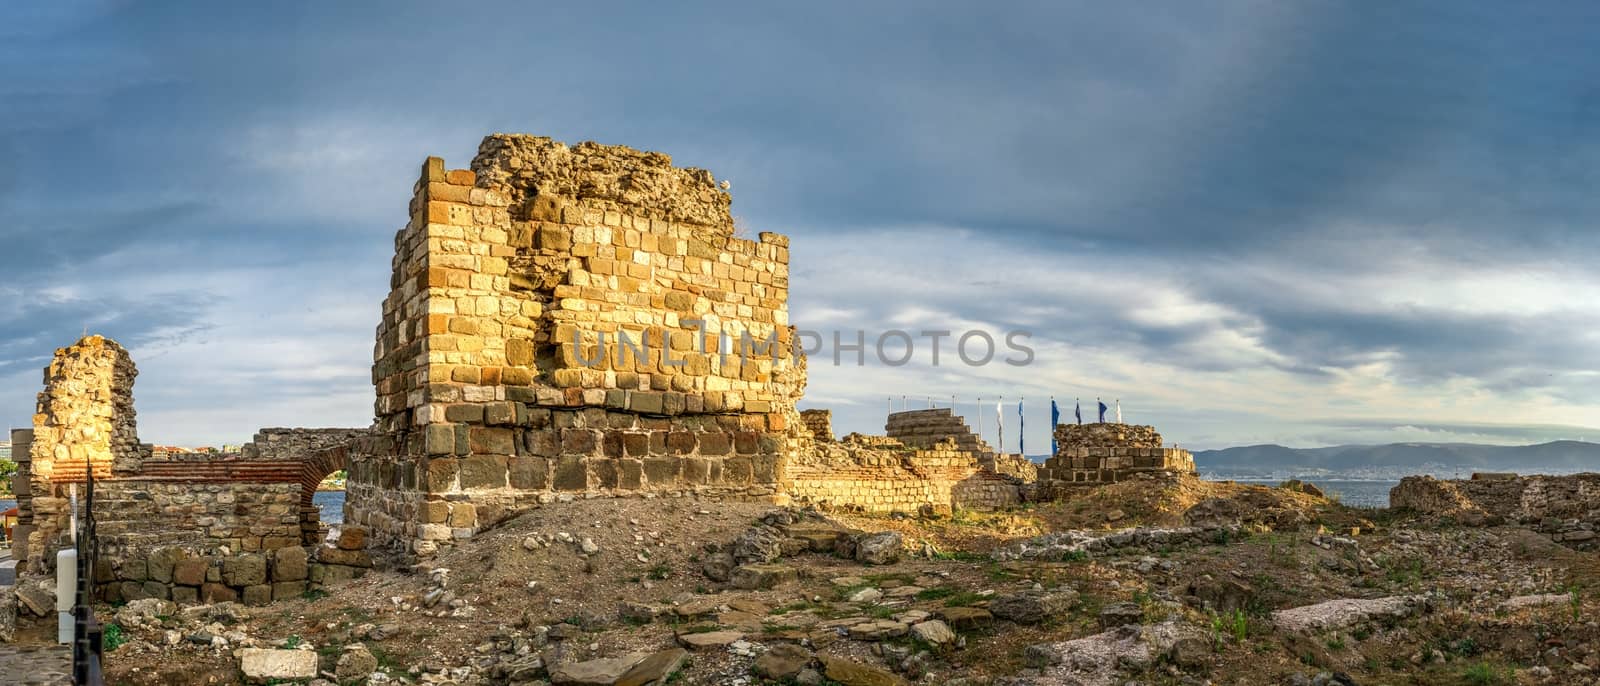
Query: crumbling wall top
[
  {"x": 1107, "y": 434},
  {"x": 609, "y": 177}
]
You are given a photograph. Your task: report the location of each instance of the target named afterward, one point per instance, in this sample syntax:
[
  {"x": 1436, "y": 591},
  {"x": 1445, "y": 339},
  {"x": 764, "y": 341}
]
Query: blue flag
[
  {"x": 1055, "y": 418},
  {"x": 1020, "y": 450},
  {"x": 1077, "y": 410},
  {"x": 1103, "y": 409}
]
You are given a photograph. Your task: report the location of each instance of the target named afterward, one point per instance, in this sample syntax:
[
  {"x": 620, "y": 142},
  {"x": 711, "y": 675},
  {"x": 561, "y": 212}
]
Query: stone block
[
  {"x": 257, "y": 595},
  {"x": 245, "y": 570},
  {"x": 491, "y": 441},
  {"x": 352, "y": 537},
  {"x": 529, "y": 473},
  {"x": 160, "y": 563},
  {"x": 483, "y": 471},
  {"x": 289, "y": 564},
  {"x": 662, "y": 470},
  {"x": 288, "y": 590},
  {"x": 579, "y": 441},
  {"x": 186, "y": 595},
  {"x": 571, "y": 474},
  {"x": 263, "y": 664},
  {"x": 190, "y": 571},
  {"x": 348, "y": 558}
]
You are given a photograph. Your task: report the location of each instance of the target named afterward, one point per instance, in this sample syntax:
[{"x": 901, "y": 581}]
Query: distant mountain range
[{"x": 1398, "y": 459}]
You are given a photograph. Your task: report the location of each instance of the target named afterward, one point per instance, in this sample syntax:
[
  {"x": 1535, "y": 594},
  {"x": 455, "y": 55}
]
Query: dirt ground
[{"x": 533, "y": 572}]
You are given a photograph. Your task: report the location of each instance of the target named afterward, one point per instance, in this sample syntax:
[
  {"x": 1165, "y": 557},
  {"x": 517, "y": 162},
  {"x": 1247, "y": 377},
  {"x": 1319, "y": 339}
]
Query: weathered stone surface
[
  {"x": 191, "y": 571},
  {"x": 848, "y": 673},
  {"x": 655, "y": 669},
  {"x": 245, "y": 570},
  {"x": 782, "y": 661},
  {"x": 933, "y": 632},
  {"x": 709, "y": 640},
  {"x": 264, "y": 663},
  {"x": 289, "y": 564},
  {"x": 1031, "y": 607},
  {"x": 881, "y": 548},
  {"x": 356, "y": 663},
  {"x": 1119, "y": 614},
  {"x": 1347, "y": 612},
  {"x": 602, "y": 672},
  {"x": 966, "y": 617},
  {"x": 762, "y": 577}
]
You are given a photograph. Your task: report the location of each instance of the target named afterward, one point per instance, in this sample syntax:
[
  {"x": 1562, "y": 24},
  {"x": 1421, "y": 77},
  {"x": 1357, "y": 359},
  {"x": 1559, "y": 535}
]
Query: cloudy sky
[{"x": 1303, "y": 223}]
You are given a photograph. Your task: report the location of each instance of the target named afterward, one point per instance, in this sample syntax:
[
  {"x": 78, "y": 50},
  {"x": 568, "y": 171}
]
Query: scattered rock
[
  {"x": 963, "y": 618},
  {"x": 762, "y": 576},
  {"x": 933, "y": 632},
  {"x": 655, "y": 669},
  {"x": 1031, "y": 607},
  {"x": 709, "y": 640},
  {"x": 848, "y": 673},
  {"x": 783, "y": 661},
  {"x": 881, "y": 548},
  {"x": 1120, "y": 614},
  {"x": 602, "y": 672},
  {"x": 355, "y": 664},
  {"x": 266, "y": 663}
]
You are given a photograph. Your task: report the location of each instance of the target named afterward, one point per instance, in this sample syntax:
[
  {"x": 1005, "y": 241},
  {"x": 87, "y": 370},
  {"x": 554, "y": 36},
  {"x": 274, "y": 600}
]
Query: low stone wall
[
  {"x": 1110, "y": 465},
  {"x": 1566, "y": 507},
  {"x": 884, "y": 476},
  {"x": 1102, "y": 434}
]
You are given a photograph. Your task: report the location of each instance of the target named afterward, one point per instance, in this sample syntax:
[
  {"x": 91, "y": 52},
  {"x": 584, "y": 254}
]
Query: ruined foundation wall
[
  {"x": 500, "y": 376},
  {"x": 188, "y": 526},
  {"x": 876, "y": 474},
  {"x": 1566, "y": 507}
]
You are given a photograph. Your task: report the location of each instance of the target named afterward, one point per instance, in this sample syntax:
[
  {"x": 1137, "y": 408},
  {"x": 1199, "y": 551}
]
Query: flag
[
  {"x": 1055, "y": 418},
  {"x": 1021, "y": 430},
  {"x": 1103, "y": 409},
  {"x": 1077, "y": 409},
  {"x": 1000, "y": 428},
  {"x": 1119, "y": 411}
]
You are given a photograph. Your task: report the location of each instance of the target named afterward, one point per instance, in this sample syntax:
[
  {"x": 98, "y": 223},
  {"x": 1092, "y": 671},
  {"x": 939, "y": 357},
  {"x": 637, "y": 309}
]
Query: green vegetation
[
  {"x": 111, "y": 637},
  {"x": 1486, "y": 674},
  {"x": 962, "y": 599}
]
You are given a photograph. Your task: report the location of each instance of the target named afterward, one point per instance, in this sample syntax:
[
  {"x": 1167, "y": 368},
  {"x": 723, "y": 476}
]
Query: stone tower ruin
[{"x": 572, "y": 319}]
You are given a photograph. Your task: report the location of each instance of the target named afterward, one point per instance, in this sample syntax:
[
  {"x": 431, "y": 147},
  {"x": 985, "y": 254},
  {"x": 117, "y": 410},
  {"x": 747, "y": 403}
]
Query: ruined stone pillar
[
  {"x": 21, "y": 444},
  {"x": 84, "y": 421}
]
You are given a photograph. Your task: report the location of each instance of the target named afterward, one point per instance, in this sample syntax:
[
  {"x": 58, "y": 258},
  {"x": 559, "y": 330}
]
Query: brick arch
[{"x": 312, "y": 471}]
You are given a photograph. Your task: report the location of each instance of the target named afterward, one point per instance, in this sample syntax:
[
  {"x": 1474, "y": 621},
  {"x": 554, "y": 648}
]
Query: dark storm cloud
[{"x": 1214, "y": 151}]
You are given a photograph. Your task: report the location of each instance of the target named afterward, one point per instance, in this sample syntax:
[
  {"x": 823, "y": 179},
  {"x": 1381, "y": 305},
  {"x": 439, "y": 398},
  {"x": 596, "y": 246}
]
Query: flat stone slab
[
  {"x": 709, "y": 640},
  {"x": 266, "y": 663},
  {"x": 602, "y": 672},
  {"x": 655, "y": 669},
  {"x": 1347, "y": 612}
]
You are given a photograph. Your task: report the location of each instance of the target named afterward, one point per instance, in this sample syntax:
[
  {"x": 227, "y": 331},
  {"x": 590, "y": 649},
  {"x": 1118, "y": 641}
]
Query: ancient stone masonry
[
  {"x": 1092, "y": 454},
  {"x": 880, "y": 474},
  {"x": 178, "y": 525},
  {"x": 553, "y": 326},
  {"x": 1565, "y": 507},
  {"x": 818, "y": 423},
  {"x": 922, "y": 428}
]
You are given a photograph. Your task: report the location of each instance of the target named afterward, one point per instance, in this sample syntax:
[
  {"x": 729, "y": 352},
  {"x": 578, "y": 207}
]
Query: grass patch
[
  {"x": 1484, "y": 673},
  {"x": 963, "y": 599},
  {"x": 939, "y": 593}
]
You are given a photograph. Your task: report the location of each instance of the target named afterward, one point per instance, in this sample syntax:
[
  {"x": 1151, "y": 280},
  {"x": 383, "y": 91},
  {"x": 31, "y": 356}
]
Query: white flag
[
  {"x": 1000, "y": 429},
  {"x": 1119, "y": 411}
]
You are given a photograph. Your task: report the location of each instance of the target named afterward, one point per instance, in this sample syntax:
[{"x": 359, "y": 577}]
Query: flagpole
[{"x": 980, "y": 417}]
